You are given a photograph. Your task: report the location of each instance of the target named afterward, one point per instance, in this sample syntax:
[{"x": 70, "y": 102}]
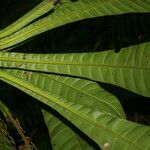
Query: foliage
[{"x": 100, "y": 62}]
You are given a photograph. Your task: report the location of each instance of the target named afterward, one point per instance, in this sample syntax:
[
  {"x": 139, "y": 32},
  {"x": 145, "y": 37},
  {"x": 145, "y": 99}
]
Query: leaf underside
[
  {"x": 69, "y": 12},
  {"x": 84, "y": 103},
  {"x": 36, "y": 12},
  {"x": 129, "y": 69},
  {"x": 62, "y": 136},
  {"x": 103, "y": 128}
]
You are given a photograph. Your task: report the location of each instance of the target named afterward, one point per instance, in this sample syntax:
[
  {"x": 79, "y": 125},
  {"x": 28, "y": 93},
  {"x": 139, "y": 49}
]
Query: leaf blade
[
  {"x": 101, "y": 127},
  {"x": 74, "y": 11},
  {"x": 62, "y": 135},
  {"x": 36, "y": 12},
  {"x": 120, "y": 69}
]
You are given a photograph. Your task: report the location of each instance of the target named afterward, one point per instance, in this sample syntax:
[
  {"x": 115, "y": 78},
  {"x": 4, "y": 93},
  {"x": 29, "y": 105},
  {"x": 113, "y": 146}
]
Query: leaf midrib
[
  {"x": 29, "y": 86},
  {"x": 85, "y": 8},
  {"x": 46, "y": 21},
  {"x": 85, "y": 93},
  {"x": 35, "y": 61}
]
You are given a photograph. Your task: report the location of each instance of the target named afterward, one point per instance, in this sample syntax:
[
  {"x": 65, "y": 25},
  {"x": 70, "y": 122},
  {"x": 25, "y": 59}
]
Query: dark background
[{"x": 103, "y": 33}]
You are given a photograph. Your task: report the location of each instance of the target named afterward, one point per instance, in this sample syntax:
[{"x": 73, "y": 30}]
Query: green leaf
[
  {"x": 129, "y": 69},
  {"x": 69, "y": 12},
  {"x": 39, "y": 10},
  {"x": 84, "y": 92},
  {"x": 63, "y": 136},
  {"x": 106, "y": 130}
]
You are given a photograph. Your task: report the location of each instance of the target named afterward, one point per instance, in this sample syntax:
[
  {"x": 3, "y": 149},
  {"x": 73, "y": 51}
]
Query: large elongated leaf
[
  {"x": 39, "y": 10},
  {"x": 76, "y": 90},
  {"x": 63, "y": 136},
  {"x": 73, "y": 11},
  {"x": 130, "y": 68},
  {"x": 108, "y": 131}
]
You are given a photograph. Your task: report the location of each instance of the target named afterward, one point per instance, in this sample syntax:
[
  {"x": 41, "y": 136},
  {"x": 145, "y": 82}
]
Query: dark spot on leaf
[{"x": 24, "y": 57}]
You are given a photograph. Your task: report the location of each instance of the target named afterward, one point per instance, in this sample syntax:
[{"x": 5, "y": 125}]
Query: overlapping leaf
[
  {"x": 39, "y": 10},
  {"x": 79, "y": 91},
  {"x": 130, "y": 68},
  {"x": 105, "y": 129},
  {"x": 69, "y": 12},
  {"x": 76, "y": 90},
  {"x": 63, "y": 136}
]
